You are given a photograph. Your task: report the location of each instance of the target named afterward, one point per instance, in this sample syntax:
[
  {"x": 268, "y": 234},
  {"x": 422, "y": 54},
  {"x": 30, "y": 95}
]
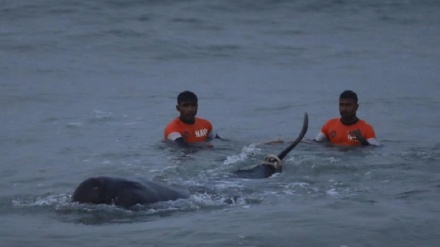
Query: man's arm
[
  {"x": 213, "y": 135},
  {"x": 358, "y": 135},
  {"x": 181, "y": 142},
  {"x": 320, "y": 137},
  {"x": 177, "y": 138},
  {"x": 364, "y": 142}
]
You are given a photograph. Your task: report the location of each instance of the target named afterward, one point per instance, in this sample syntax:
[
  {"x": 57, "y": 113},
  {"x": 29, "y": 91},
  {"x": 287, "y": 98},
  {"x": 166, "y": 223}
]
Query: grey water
[{"x": 88, "y": 86}]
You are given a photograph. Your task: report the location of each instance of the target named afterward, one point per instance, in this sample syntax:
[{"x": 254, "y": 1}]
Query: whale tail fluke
[
  {"x": 273, "y": 163},
  {"x": 301, "y": 135}
]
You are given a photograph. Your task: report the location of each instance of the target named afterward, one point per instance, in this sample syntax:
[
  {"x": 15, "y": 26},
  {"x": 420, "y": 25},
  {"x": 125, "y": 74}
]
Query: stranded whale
[{"x": 127, "y": 193}]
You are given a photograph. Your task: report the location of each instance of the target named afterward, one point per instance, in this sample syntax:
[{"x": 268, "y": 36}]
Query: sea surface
[{"x": 87, "y": 88}]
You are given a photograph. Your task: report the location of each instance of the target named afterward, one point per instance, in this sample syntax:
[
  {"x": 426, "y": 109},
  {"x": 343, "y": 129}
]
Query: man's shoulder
[
  {"x": 205, "y": 123},
  {"x": 365, "y": 123},
  {"x": 333, "y": 121},
  {"x": 202, "y": 120},
  {"x": 330, "y": 124},
  {"x": 173, "y": 122},
  {"x": 361, "y": 121}
]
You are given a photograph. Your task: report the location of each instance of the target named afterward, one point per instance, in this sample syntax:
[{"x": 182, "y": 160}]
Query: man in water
[
  {"x": 187, "y": 128},
  {"x": 348, "y": 130}
]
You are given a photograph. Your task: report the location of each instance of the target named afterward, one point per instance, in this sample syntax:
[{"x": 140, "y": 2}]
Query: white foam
[{"x": 245, "y": 153}]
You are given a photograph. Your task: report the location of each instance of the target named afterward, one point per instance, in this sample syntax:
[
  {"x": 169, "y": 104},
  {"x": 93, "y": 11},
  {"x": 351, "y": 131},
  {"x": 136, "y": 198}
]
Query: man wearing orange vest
[
  {"x": 187, "y": 128},
  {"x": 348, "y": 130}
]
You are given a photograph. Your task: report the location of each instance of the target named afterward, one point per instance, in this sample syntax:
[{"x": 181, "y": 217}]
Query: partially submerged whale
[
  {"x": 273, "y": 163},
  {"x": 123, "y": 192},
  {"x": 127, "y": 193}
]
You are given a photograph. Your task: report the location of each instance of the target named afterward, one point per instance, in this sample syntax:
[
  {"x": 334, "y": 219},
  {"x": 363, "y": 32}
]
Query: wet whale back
[
  {"x": 130, "y": 193},
  {"x": 260, "y": 171},
  {"x": 91, "y": 190},
  {"x": 123, "y": 192}
]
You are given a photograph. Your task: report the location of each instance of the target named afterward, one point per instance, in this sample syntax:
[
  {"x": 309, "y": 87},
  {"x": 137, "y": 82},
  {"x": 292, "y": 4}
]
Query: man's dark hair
[
  {"x": 187, "y": 96},
  {"x": 348, "y": 94}
]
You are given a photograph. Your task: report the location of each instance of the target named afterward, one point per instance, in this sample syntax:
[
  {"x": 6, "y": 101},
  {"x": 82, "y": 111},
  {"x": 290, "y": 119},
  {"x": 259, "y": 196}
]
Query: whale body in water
[{"x": 123, "y": 192}]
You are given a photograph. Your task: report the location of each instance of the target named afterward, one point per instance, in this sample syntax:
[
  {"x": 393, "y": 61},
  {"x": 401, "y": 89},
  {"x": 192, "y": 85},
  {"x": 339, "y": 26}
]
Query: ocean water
[{"x": 88, "y": 86}]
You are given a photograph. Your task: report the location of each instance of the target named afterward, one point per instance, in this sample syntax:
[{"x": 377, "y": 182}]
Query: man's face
[
  {"x": 347, "y": 108},
  {"x": 188, "y": 110}
]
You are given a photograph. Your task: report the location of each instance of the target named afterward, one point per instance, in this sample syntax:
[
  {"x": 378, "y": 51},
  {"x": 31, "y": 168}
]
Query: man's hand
[{"x": 357, "y": 135}]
